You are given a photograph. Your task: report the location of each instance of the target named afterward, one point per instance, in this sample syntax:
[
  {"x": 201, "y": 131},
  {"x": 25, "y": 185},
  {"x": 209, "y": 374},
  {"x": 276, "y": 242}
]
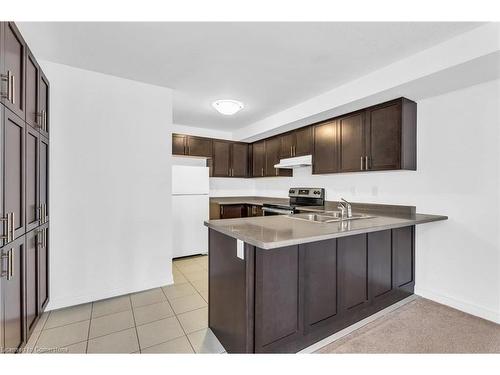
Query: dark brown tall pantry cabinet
[{"x": 24, "y": 190}]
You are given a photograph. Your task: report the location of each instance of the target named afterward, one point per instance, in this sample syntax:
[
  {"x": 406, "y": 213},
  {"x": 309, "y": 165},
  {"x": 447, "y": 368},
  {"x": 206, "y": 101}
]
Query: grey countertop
[{"x": 269, "y": 232}]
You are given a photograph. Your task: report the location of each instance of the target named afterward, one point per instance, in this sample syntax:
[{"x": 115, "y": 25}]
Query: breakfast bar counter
[{"x": 278, "y": 284}]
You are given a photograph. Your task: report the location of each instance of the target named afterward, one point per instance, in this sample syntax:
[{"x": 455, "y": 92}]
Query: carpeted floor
[{"x": 422, "y": 326}]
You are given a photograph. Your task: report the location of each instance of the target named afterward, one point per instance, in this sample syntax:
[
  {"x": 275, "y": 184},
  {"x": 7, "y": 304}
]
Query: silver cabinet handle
[
  {"x": 361, "y": 167},
  {"x": 13, "y": 226},
  {"x": 45, "y": 120},
  {"x": 2, "y": 272},
  {"x": 6, "y": 78},
  {"x": 39, "y": 115},
  {"x": 13, "y": 77},
  {"x": 366, "y": 163},
  {"x": 10, "y": 219},
  {"x": 262, "y": 172},
  {"x": 11, "y": 265},
  {"x": 39, "y": 238}
]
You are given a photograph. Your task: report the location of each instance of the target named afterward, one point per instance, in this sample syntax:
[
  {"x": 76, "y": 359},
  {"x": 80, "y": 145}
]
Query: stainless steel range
[{"x": 299, "y": 197}]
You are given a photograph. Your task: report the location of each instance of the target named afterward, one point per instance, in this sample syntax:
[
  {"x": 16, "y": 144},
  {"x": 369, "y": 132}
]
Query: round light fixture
[{"x": 227, "y": 106}]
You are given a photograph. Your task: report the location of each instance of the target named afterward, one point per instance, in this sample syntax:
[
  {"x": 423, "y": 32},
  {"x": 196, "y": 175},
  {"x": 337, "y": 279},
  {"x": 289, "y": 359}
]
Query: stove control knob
[{"x": 317, "y": 192}]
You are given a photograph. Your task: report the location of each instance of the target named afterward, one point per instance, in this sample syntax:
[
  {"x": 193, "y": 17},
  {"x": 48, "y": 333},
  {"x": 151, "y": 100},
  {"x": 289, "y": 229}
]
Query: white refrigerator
[{"x": 190, "y": 208}]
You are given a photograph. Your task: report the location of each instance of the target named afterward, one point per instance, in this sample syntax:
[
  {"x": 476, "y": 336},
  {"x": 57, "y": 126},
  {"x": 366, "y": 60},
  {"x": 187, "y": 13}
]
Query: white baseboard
[
  {"x": 103, "y": 294},
  {"x": 466, "y": 307}
]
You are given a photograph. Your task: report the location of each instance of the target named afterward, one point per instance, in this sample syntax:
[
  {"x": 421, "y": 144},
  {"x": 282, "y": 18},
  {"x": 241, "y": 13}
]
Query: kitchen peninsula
[{"x": 281, "y": 283}]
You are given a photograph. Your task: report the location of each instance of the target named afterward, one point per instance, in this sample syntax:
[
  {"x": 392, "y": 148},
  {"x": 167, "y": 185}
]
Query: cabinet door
[
  {"x": 14, "y": 177},
  {"x": 197, "y": 146},
  {"x": 221, "y": 158},
  {"x": 384, "y": 137},
  {"x": 258, "y": 159},
  {"x": 273, "y": 148},
  {"x": 403, "y": 256},
  {"x": 353, "y": 271},
  {"x": 43, "y": 267},
  {"x": 32, "y": 107},
  {"x": 13, "y": 287},
  {"x": 44, "y": 179},
  {"x": 178, "y": 144},
  {"x": 303, "y": 141},
  {"x": 239, "y": 160},
  {"x": 319, "y": 282},
  {"x": 13, "y": 71},
  {"x": 232, "y": 211},
  {"x": 43, "y": 99},
  {"x": 352, "y": 142},
  {"x": 31, "y": 280},
  {"x": 32, "y": 179},
  {"x": 277, "y": 314},
  {"x": 325, "y": 153},
  {"x": 287, "y": 145},
  {"x": 379, "y": 263}
]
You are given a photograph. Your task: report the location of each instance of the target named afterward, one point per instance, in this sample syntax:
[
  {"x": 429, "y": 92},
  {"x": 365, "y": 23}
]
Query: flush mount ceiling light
[{"x": 227, "y": 106}]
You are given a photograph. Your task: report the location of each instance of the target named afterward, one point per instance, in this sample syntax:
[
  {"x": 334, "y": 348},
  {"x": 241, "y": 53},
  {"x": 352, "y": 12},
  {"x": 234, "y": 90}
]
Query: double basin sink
[{"x": 327, "y": 217}]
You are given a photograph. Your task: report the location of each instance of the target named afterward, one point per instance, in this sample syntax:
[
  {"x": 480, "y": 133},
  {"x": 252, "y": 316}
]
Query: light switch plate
[{"x": 240, "y": 249}]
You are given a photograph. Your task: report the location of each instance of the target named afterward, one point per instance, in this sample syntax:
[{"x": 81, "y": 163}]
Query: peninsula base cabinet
[{"x": 283, "y": 300}]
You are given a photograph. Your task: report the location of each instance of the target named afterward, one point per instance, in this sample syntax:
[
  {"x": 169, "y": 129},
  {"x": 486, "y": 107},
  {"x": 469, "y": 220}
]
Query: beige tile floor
[{"x": 171, "y": 319}]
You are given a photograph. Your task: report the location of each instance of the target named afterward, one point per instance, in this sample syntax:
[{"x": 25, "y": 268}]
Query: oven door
[{"x": 269, "y": 211}]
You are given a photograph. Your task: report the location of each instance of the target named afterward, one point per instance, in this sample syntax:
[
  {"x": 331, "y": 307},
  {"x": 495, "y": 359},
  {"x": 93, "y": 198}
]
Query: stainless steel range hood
[{"x": 296, "y": 162}]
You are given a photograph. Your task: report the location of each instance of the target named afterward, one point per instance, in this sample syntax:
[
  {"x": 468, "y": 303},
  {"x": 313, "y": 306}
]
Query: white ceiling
[{"x": 267, "y": 66}]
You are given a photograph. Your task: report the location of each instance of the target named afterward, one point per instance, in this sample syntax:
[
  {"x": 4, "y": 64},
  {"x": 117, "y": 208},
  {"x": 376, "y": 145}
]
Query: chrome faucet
[{"x": 346, "y": 208}]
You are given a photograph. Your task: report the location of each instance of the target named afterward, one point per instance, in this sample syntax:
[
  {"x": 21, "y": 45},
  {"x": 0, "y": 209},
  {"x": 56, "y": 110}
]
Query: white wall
[
  {"x": 201, "y": 132},
  {"x": 109, "y": 185},
  {"x": 458, "y": 172}
]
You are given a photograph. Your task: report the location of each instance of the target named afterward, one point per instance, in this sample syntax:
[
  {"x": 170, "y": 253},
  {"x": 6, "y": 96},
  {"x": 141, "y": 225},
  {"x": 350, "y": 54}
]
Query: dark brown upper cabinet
[
  {"x": 273, "y": 152},
  {"x": 297, "y": 143},
  {"x": 13, "y": 181},
  {"x": 198, "y": 146},
  {"x": 13, "y": 51},
  {"x": 37, "y": 96},
  {"x": 43, "y": 104},
  {"x": 32, "y": 78},
  {"x": 325, "y": 149},
  {"x": 391, "y": 136},
  {"x": 230, "y": 159},
  {"x": 352, "y": 142},
  {"x": 239, "y": 159},
  {"x": 382, "y": 137},
  {"x": 258, "y": 159},
  {"x": 191, "y": 146},
  {"x": 178, "y": 144},
  {"x": 303, "y": 141}
]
